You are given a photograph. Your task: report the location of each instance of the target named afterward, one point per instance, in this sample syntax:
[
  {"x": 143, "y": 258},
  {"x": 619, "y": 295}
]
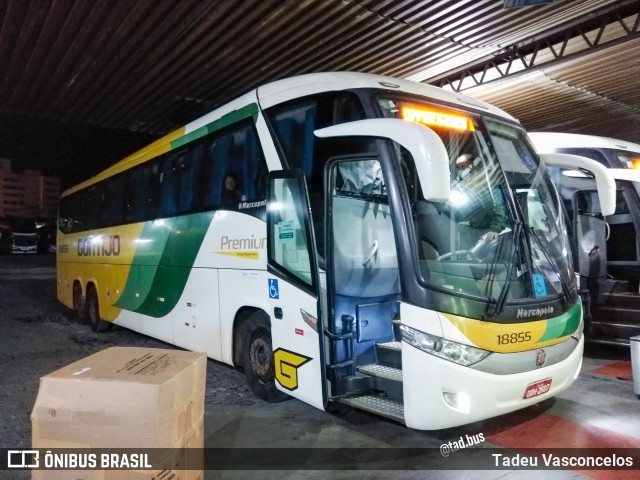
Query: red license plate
[{"x": 537, "y": 388}]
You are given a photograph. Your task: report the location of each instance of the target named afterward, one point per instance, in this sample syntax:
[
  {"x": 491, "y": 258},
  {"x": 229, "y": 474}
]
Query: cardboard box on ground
[{"x": 125, "y": 398}]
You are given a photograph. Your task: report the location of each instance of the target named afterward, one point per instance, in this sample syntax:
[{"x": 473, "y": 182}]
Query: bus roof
[
  {"x": 548, "y": 141},
  {"x": 288, "y": 89},
  {"x": 300, "y": 86}
]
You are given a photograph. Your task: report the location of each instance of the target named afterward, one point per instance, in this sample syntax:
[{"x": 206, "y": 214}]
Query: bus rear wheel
[
  {"x": 93, "y": 311},
  {"x": 257, "y": 358}
]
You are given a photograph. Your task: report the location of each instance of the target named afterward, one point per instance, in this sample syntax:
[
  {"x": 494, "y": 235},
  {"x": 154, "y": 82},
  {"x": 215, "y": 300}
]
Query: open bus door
[
  {"x": 293, "y": 283},
  {"x": 364, "y": 276}
]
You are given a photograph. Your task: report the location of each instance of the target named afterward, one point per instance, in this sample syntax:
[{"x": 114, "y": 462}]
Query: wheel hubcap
[{"x": 261, "y": 358}]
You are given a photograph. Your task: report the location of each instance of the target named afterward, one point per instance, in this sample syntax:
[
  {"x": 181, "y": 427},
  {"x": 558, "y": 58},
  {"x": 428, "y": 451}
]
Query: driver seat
[{"x": 436, "y": 231}]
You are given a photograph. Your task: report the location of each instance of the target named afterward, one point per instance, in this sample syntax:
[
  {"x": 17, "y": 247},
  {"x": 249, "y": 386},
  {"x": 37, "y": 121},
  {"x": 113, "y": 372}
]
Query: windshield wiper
[
  {"x": 556, "y": 270},
  {"x": 495, "y": 306}
]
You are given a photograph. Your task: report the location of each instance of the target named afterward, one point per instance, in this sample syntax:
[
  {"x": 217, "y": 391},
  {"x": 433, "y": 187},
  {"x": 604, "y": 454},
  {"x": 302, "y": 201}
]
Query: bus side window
[
  {"x": 112, "y": 212},
  {"x": 141, "y": 193},
  {"x": 179, "y": 182},
  {"x": 294, "y": 124},
  {"x": 188, "y": 181},
  {"x": 294, "y": 129},
  {"x": 63, "y": 215},
  {"x": 215, "y": 159},
  {"x": 70, "y": 210},
  {"x": 234, "y": 160},
  {"x": 153, "y": 190},
  {"x": 254, "y": 169},
  {"x": 90, "y": 215},
  {"x": 167, "y": 202},
  {"x": 232, "y": 181}
]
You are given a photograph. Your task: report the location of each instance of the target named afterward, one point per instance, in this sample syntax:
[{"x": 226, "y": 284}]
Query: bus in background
[
  {"x": 606, "y": 247},
  {"x": 342, "y": 237},
  {"x": 24, "y": 242},
  {"x": 24, "y": 238}
]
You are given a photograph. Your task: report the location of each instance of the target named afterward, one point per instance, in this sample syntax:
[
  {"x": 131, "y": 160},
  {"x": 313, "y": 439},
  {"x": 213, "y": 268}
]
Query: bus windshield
[{"x": 500, "y": 237}]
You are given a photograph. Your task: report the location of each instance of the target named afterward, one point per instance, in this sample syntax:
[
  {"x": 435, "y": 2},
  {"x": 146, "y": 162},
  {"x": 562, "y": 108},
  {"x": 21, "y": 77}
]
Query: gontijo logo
[
  {"x": 287, "y": 364},
  {"x": 99, "y": 246}
]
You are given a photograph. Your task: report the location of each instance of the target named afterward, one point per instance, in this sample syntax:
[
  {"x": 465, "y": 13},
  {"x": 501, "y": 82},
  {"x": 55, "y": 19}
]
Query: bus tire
[
  {"x": 79, "y": 304},
  {"x": 93, "y": 312},
  {"x": 257, "y": 357}
]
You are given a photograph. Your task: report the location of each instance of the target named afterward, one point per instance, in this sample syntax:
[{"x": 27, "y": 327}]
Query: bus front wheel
[
  {"x": 257, "y": 358},
  {"x": 93, "y": 310}
]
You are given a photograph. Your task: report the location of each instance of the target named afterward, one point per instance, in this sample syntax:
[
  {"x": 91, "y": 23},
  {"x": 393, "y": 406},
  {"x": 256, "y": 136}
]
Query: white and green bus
[
  {"x": 341, "y": 237},
  {"x": 605, "y": 244}
]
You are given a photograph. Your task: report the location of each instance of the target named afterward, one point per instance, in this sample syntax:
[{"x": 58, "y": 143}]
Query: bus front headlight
[{"x": 453, "y": 351}]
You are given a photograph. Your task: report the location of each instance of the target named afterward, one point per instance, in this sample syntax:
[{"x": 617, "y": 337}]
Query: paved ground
[{"x": 37, "y": 336}]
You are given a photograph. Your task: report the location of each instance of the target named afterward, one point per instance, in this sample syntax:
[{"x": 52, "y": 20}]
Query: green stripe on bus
[
  {"x": 225, "y": 121},
  {"x": 149, "y": 250},
  {"x": 562, "y": 325},
  {"x": 178, "y": 257}
]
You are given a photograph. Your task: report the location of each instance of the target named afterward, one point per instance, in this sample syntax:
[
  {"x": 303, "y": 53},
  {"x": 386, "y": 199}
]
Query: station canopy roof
[{"x": 149, "y": 66}]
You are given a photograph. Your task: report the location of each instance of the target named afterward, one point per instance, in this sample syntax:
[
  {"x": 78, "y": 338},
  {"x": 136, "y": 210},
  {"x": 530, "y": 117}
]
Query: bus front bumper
[{"x": 440, "y": 394}]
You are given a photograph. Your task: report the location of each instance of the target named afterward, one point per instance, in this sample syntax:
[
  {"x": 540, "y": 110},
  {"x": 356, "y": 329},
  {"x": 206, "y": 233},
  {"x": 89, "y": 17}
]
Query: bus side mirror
[
  {"x": 426, "y": 147},
  {"x": 605, "y": 182}
]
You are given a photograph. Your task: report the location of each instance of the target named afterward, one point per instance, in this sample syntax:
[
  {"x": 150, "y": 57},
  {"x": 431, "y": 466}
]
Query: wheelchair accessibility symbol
[
  {"x": 274, "y": 291},
  {"x": 539, "y": 285}
]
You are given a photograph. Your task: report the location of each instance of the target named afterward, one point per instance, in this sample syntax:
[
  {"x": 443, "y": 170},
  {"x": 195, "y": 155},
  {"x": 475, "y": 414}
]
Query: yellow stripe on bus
[
  {"x": 503, "y": 337},
  {"x": 249, "y": 255}
]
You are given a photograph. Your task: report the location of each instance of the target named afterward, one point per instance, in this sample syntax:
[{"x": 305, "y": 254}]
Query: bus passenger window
[
  {"x": 140, "y": 194},
  {"x": 235, "y": 170},
  {"x": 113, "y": 195},
  {"x": 167, "y": 201},
  {"x": 188, "y": 182},
  {"x": 216, "y": 151},
  {"x": 179, "y": 181},
  {"x": 294, "y": 125},
  {"x": 91, "y": 207},
  {"x": 64, "y": 219},
  {"x": 73, "y": 211},
  {"x": 254, "y": 181},
  {"x": 232, "y": 169}
]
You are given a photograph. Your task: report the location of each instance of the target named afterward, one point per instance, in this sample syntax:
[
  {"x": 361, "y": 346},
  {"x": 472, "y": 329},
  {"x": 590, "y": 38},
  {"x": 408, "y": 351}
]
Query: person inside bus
[
  {"x": 477, "y": 206},
  {"x": 231, "y": 190}
]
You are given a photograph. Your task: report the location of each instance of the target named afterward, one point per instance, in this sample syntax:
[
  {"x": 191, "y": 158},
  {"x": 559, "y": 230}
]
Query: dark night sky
[{"x": 71, "y": 153}]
